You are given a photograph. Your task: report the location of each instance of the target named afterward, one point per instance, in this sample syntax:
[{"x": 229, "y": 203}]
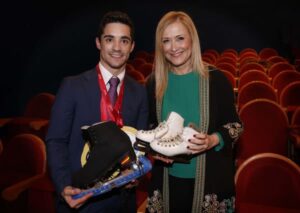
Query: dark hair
[{"x": 116, "y": 17}]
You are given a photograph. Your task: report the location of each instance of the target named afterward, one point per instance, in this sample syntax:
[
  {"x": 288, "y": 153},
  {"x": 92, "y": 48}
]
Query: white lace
[{"x": 172, "y": 141}]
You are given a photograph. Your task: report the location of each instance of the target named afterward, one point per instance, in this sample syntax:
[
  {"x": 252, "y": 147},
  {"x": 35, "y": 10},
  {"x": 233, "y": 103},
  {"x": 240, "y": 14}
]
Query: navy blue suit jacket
[{"x": 77, "y": 104}]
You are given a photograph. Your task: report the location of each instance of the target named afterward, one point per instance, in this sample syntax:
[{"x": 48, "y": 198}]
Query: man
[{"x": 85, "y": 99}]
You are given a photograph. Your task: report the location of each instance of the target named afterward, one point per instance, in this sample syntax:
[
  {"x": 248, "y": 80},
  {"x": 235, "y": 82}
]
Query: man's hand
[
  {"x": 132, "y": 183},
  {"x": 69, "y": 191},
  {"x": 163, "y": 159}
]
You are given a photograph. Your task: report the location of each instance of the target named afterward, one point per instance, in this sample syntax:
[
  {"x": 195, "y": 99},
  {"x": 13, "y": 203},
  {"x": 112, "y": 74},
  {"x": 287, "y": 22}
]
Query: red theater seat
[
  {"x": 265, "y": 130},
  {"x": 268, "y": 182},
  {"x": 22, "y": 167}
]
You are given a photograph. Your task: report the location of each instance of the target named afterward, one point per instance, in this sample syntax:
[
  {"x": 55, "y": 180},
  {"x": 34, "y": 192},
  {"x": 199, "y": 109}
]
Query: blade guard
[{"x": 138, "y": 169}]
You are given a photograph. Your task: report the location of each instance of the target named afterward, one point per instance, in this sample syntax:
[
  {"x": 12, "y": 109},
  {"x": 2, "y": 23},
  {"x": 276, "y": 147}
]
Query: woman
[{"x": 184, "y": 84}]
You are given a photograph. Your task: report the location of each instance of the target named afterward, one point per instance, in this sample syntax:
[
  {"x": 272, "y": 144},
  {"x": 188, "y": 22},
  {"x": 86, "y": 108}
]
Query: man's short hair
[{"x": 116, "y": 17}]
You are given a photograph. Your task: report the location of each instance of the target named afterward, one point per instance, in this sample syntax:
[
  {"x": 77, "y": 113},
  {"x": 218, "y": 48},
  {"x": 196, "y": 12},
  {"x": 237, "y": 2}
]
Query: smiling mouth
[
  {"x": 116, "y": 55},
  {"x": 176, "y": 54}
]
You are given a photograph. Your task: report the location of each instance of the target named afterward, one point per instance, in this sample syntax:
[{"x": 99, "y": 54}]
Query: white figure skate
[
  {"x": 173, "y": 146},
  {"x": 169, "y": 128}
]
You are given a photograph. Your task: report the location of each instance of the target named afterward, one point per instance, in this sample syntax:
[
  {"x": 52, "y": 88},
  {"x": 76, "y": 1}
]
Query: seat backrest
[
  {"x": 226, "y": 59},
  {"x": 249, "y": 59},
  {"x": 25, "y": 153},
  {"x": 208, "y": 60},
  {"x": 229, "y": 55},
  {"x": 254, "y": 90},
  {"x": 268, "y": 180},
  {"x": 276, "y": 59},
  {"x": 290, "y": 98},
  {"x": 146, "y": 69},
  {"x": 23, "y": 168},
  {"x": 278, "y": 67},
  {"x": 129, "y": 67},
  {"x": 290, "y": 95},
  {"x": 253, "y": 75},
  {"x": 247, "y": 51},
  {"x": 212, "y": 51},
  {"x": 230, "y": 51},
  {"x": 227, "y": 67},
  {"x": 136, "y": 62},
  {"x": 265, "y": 129},
  {"x": 136, "y": 75},
  {"x": 266, "y": 53},
  {"x": 141, "y": 54},
  {"x": 150, "y": 58},
  {"x": 40, "y": 105},
  {"x": 209, "y": 57},
  {"x": 284, "y": 78},
  {"x": 251, "y": 66},
  {"x": 230, "y": 77}
]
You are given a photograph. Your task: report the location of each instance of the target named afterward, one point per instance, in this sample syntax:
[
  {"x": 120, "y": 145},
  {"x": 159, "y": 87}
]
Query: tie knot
[{"x": 114, "y": 81}]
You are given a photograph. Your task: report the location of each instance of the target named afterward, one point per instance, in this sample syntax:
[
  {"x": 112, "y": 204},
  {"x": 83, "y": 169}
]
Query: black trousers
[{"x": 181, "y": 192}]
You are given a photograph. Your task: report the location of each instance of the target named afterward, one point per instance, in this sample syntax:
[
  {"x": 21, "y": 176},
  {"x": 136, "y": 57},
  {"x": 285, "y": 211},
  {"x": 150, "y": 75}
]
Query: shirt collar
[{"x": 107, "y": 75}]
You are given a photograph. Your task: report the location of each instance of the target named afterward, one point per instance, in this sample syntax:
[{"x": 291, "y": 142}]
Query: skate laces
[
  {"x": 171, "y": 141},
  {"x": 161, "y": 126}
]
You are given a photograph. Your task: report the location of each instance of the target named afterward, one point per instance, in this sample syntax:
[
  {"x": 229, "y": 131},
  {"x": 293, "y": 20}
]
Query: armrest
[
  {"x": 3, "y": 121},
  {"x": 12, "y": 192},
  {"x": 37, "y": 125}
]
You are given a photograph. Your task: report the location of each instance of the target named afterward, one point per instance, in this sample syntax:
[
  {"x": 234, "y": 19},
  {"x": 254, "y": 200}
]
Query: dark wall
[{"x": 44, "y": 41}]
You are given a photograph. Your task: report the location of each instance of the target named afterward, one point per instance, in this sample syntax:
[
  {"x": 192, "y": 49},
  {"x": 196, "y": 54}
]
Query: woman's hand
[
  {"x": 69, "y": 191},
  {"x": 202, "y": 142}
]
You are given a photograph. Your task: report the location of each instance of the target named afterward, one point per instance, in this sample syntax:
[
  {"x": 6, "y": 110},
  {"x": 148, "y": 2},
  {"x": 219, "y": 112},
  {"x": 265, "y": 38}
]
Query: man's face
[{"x": 115, "y": 46}]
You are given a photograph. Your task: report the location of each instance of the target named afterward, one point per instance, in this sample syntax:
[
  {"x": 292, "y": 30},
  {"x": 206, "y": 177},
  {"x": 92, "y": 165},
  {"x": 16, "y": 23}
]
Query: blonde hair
[{"x": 161, "y": 65}]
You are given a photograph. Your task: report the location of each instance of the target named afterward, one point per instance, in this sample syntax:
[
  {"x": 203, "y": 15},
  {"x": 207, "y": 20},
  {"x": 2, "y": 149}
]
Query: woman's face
[{"x": 177, "y": 47}]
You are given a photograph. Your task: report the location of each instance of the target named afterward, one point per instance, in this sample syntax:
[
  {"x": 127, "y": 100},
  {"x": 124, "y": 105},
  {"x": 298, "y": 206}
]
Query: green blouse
[{"x": 182, "y": 96}]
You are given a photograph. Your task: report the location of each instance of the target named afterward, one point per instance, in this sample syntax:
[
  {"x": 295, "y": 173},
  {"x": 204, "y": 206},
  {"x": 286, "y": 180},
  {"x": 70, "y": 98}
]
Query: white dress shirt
[{"x": 107, "y": 75}]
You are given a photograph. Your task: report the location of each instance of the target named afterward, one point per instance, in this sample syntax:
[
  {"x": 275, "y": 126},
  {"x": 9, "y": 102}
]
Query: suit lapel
[
  {"x": 127, "y": 93},
  {"x": 92, "y": 92}
]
